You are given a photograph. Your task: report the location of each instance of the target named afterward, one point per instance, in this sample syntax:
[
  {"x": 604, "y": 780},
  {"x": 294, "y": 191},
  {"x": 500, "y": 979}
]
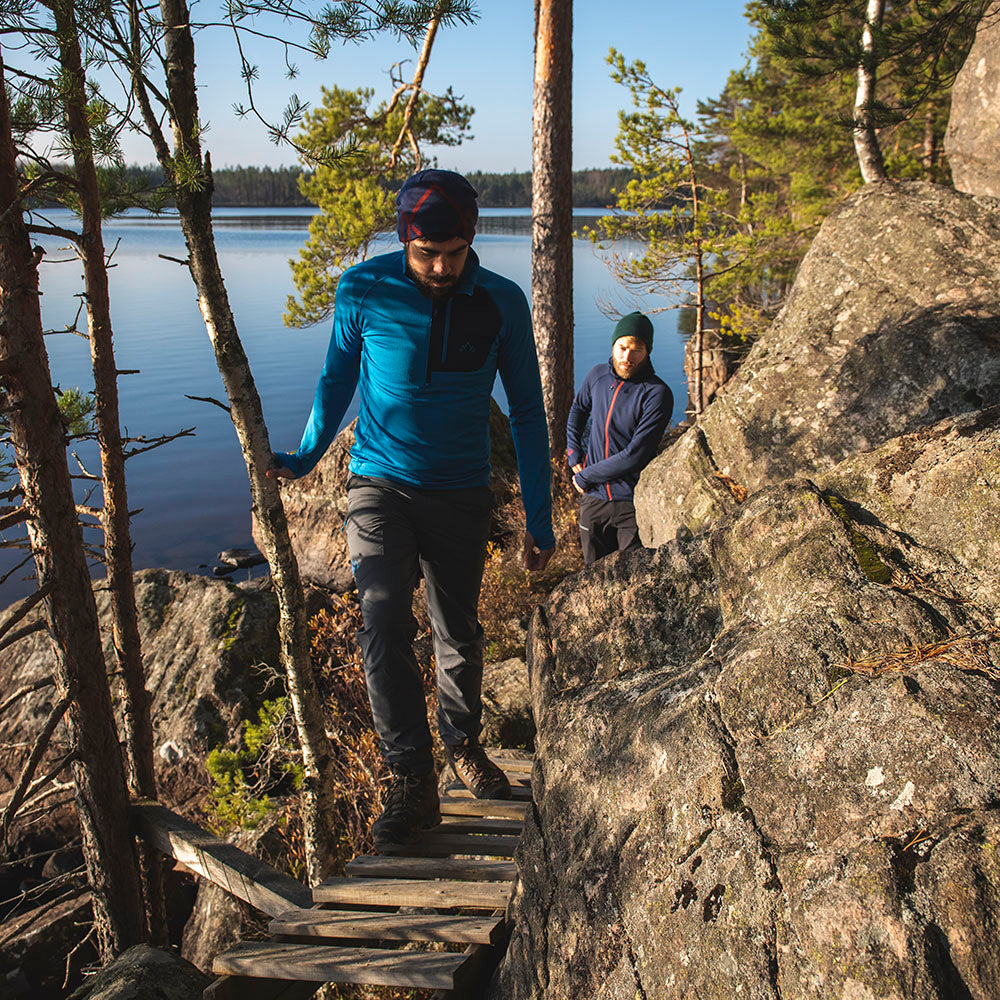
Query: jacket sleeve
[
  {"x": 518, "y": 367},
  {"x": 576, "y": 425},
  {"x": 638, "y": 453},
  {"x": 336, "y": 384}
]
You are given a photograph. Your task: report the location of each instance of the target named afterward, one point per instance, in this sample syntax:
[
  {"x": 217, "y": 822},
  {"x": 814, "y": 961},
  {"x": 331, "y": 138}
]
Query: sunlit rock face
[
  {"x": 893, "y": 324},
  {"x": 973, "y": 135},
  {"x": 767, "y": 761},
  {"x": 767, "y": 756}
]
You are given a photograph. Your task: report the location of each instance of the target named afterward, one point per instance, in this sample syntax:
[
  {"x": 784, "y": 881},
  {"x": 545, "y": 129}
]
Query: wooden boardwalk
[{"x": 431, "y": 917}]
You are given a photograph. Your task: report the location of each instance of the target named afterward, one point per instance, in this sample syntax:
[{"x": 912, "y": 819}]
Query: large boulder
[
  {"x": 146, "y": 973},
  {"x": 767, "y": 761},
  {"x": 973, "y": 134},
  {"x": 316, "y": 504},
  {"x": 892, "y": 325},
  {"x": 205, "y": 645}
]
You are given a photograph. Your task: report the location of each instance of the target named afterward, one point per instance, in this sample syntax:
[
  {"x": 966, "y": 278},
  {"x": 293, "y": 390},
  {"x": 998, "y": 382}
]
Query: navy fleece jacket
[
  {"x": 426, "y": 369},
  {"x": 627, "y": 421}
]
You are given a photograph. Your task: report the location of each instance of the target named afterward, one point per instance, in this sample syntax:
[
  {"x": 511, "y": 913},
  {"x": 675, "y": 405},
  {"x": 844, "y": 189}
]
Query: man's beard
[
  {"x": 439, "y": 289},
  {"x": 436, "y": 289}
]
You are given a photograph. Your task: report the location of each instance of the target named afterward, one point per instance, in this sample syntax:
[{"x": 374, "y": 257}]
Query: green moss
[
  {"x": 867, "y": 553},
  {"x": 231, "y": 632}
]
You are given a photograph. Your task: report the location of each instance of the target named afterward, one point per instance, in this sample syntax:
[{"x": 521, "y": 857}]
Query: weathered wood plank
[
  {"x": 499, "y": 808},
  {"x": 385, "y": 866},
  {"x": 437, "y": 845},
  {"x": 446, "y": 894},
  {"x": 387, "y": 926},
  {"x": 434, "y": 970},
  {"x": 473, "y": 977},
  {"x": 519, "y": 793},
  {"x": 240, "y": 874},
  {"x": 473, "y": 824},
  {"x": 509, "y": 760},
  {"x": 245, "y": 988}
]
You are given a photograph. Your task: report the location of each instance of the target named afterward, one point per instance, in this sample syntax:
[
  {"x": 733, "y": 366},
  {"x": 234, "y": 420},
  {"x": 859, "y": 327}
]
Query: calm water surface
[{"x": 193, "y": 492}]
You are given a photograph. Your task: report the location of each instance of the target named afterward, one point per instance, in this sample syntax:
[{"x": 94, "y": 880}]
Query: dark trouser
[
  {"x": 394, "y": 531},
  {"x": 606, "y": 526}
]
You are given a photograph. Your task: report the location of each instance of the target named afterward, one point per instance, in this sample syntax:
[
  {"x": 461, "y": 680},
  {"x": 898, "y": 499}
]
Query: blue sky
[{"x": 490, "y": 64}]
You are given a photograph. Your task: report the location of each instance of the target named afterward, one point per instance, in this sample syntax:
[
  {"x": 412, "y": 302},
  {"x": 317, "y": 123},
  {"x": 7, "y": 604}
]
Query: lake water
[{"x": 193, "y": 492}]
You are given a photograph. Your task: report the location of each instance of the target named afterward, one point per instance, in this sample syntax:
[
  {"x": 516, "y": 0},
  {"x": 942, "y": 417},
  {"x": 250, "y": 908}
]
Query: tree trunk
[
  {"x": 115, "y": 518},
  {"x": 39, "y": 443},
  {"x": 552, "y": 213},
  {"x": 195, "y": 210},
  {"x": 865, "y": 139}
]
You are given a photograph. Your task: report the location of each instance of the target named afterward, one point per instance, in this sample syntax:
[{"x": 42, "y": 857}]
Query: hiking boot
[
  {"x": 412, "y": 806},
  {"x": 477, "y": 772}
]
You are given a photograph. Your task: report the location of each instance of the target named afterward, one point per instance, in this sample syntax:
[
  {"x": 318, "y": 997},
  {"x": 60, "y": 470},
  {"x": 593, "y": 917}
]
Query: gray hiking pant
[{"x": 395, "y": 532}]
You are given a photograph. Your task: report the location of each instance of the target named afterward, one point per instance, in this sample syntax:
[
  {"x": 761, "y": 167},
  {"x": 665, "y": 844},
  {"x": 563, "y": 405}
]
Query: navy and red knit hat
[{"x": 437, "y": 205}]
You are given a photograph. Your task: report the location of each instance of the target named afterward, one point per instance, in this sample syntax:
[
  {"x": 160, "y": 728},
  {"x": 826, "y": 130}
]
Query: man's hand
[
  {"x": 577, "y": 468},
  {"x": 535, "y": 559},
  {"x": 576, "y": 485},
  {"x": 279, "y": 472}
]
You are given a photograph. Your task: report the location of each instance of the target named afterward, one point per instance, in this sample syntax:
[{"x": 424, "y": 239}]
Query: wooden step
[
  {"x": 519, "y": 793},
  {"x": 511, "y": 764},
  {"x": 434, "y": 970},
  {"x": 444, "y": 894},
  {"x": 388, "y": 866},
  {"x": 499, "y": 808},
  {"x": 473, "y": 824},
  {"x": 434, "y": 844},
  {"x": 388, "y": 926}
]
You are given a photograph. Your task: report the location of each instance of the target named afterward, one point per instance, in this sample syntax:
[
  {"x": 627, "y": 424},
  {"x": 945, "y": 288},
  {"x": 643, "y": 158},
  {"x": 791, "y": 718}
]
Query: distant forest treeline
[{"x": 278, "y": 186}]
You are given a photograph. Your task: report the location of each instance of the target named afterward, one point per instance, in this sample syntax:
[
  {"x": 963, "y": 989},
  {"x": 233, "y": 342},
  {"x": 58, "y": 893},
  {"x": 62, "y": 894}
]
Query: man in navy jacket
[{"x": 628, "y": 408}]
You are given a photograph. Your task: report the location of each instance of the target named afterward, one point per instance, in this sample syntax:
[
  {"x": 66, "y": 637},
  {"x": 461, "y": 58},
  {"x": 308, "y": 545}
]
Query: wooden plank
[
  {"x": 432, "y": 970},
  {"x": 383, "y": 866},
  {"x": 517, "y": 792},
  {"x": 240, "y": 874},
  {"x": 437, "y": 845},
  {"x": 245, "y": 988},
  {"x": 445, "y": 894},
  {"x": 472, "y": 824},
  {"x": 499, "y": 808},
  {"x": 387, "y": 926},
  {"x": 475, "y": 975}
]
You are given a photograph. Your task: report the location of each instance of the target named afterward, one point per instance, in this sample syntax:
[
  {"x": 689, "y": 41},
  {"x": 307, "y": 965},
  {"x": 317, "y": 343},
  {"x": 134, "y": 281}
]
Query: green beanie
[{"x": 634, "y": 325}]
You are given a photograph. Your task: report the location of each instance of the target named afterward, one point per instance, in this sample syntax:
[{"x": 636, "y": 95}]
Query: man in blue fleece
[
  {"x": 423, "y": 333},
  {"x": 628, "y": 408}
]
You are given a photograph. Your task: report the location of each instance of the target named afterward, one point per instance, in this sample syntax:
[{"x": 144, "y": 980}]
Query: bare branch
[
  {"x": 158, "y": 442},
  {"x": 40, "y": 626},
  {"x": 11, "y": 572},
  {"x": 175, "y": 260},
  {"x": 24, "y": 607},
  {"x": 209, "y": 399},
  {"x": 9, "y": 516},
  {"x": 28, "y": 772},
  {"x": 42, "y": 682}
]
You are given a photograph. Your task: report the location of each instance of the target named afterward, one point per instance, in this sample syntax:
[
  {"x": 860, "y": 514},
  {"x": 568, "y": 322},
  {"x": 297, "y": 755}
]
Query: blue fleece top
[
  {"x": 426, "y": 369},
  {"x": 627, "y": 421}
]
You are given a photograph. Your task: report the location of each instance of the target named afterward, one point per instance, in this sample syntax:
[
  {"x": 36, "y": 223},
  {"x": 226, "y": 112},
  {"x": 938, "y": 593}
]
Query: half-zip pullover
[
  {"x": 426, "y": 369},
  {"x": 627, "y": 420}
]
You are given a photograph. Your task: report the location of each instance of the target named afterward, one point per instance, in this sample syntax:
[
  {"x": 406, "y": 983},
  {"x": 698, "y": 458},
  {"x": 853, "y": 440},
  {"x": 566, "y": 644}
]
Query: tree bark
[
  {"x": 865, "y": 140},
  {"x": 114, "y": 516},
  {"x": 552, "y": 213},
  {"x": 38, "y": 438},
  {"x": 194, "y": 205}
]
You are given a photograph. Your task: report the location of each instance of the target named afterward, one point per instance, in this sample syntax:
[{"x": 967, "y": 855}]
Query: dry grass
[
  {"x": 510, "y": 592},
  {"x": 967, "y": 652}
]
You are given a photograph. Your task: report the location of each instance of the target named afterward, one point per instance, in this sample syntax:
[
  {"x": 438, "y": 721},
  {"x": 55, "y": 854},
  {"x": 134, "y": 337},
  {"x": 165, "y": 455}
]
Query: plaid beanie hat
[
  {"x": 436, "y": 205},
  {"x": 635, "y": 324}
]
